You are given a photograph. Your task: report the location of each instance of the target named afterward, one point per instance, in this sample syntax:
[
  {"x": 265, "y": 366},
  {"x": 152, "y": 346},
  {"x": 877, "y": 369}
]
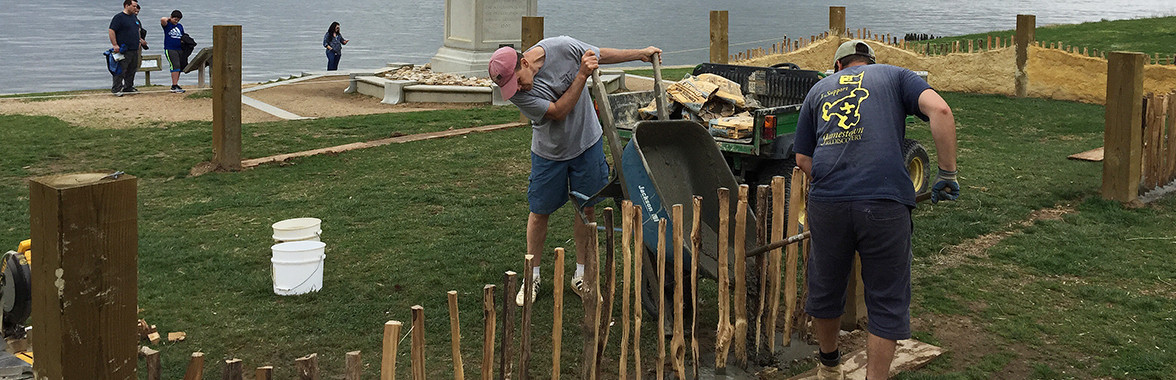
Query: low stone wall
[{"x": 1053, "y": 73}]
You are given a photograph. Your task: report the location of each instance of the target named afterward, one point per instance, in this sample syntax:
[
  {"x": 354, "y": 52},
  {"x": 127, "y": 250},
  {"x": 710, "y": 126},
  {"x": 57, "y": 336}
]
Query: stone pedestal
[{"x": 475, "y": 28}]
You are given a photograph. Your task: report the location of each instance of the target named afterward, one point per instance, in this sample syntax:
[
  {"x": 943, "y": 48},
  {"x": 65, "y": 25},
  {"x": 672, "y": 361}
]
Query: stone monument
[{"x": 475, "y": 28}]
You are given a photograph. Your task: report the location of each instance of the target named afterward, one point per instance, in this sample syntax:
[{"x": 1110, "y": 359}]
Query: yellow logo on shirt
[{"x": 847, "y": 108}]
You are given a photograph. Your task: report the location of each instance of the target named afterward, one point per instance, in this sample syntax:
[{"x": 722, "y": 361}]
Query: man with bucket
[
  {"x": 546, "y": 83},
  {"x": 848, "y": 141}
]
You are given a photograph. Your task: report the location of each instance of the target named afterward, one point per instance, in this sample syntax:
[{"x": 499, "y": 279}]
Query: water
[{"x": 57, "y": 45}]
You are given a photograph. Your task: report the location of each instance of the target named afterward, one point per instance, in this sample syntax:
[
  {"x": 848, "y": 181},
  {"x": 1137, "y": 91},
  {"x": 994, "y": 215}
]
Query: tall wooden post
[
  {"x": 532, "y": 33},
  {"x": 418, "y": 343},
  {"x": 390, "y": 344},
  {"x": 226, "y": 97},
  {"x": 1122, "y": 139},
  {"x": 85, "y": 281},
  {"x": 1026, "y": 28},
  {"x": 718, "y": 36},
  {"x": 837, "y": 21}
]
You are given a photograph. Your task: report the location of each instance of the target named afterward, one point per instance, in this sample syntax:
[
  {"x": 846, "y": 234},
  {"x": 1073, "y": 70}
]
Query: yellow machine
[{"x": 16, "y": 298}]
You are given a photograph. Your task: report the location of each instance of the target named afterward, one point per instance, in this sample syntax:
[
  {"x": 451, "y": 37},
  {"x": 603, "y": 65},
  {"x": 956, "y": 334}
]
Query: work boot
[
  {"x": 825, "y": 372},
  {"x": 519, "y": 300}
]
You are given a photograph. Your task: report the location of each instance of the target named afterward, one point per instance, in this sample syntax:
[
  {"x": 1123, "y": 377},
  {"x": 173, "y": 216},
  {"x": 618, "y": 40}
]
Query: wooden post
[
  {"x": 354, "y": 366},
  {"x": 678, "y": 343},
  {"x": 837, "y": 20},
  {"x": 557, "y": 311},
  {"x": 626, "y": 283},
  {"x": 528, "y": 284},
  {"x": 761, "y": 261},
  {"x": 455, "y": 336},
  {"x": 418, "y": 343},
  {"x": 741, "y": 278},
  {"x": 855, "y": 297},
  {"x": 388, "y": 357},
  {"x": 718, "y": 36},
  {"x": 489, "y": 316},
  {"x": 970, "y": 47},
  {"x": 695, "y": 251},
  {"x": 638, "y": 258},
  {"x": 1170, "y": 172},
  {"x": 532, "y": 33},
  {"x": 307, "y": 367},
  {"x": 591, "y": 299},
  {"x": 264, "y": 373},
  {"x": 195, "y": 367},
  {"x": 505, "y": 364},
  {"x": 234, "y": 370},
  {"x": 795, "y": 209},
  {"x": 85, "y": 282},
  {"x": 1026, "y": 28},
  {"x": 226, "y": 97},
  {"x": 723, "y": 331},
  {"x": 610, "y": 290},
  {"x": 1151, "y": 107},
  {"x": 1121, "y": 137},
  {"x": 661, "y": 298},
  {"x": 151, "y": 357}
]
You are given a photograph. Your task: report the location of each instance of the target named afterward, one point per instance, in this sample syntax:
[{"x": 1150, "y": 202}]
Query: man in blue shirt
[
  {"x": 172, "y": 49},
  {"x": 849, "y": 142},
  {"x": 126, "y": 40}
]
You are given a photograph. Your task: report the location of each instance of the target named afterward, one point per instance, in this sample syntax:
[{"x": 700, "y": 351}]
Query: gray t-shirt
[{"x": 580, "y": 129}]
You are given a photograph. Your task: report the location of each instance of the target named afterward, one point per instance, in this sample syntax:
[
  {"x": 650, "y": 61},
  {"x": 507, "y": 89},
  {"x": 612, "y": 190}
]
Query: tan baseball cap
[{"x": 852, "y": 47}]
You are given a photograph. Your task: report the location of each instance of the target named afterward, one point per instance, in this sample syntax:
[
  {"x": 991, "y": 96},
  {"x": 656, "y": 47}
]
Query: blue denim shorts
[
  {"x": 551, "y": 182},
  {"x": 880, "y": 232}
]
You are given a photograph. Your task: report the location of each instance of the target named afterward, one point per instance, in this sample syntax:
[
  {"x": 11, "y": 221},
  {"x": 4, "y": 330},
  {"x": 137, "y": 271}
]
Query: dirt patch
[
  {"x": 156, "y": 106},
  {"x": 952, "y": 257}
]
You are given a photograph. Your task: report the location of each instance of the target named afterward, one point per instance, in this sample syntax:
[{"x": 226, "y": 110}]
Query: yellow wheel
[{"x": 917, "y": 164}]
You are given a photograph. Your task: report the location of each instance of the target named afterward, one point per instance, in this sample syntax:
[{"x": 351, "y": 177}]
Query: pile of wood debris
[{"x": 425, "y": 75}]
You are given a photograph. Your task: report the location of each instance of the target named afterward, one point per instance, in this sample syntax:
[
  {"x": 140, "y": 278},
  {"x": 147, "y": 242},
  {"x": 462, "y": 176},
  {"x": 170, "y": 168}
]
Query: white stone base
[{"x": 460, "y": 61}]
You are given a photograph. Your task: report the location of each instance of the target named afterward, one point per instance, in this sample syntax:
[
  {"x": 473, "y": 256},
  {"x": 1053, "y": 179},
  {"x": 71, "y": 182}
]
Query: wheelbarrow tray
[{"x": 667, "y": 163}]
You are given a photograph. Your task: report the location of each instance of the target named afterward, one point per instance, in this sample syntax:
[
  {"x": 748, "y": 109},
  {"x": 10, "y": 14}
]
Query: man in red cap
[{"x": 567, "y": 152}]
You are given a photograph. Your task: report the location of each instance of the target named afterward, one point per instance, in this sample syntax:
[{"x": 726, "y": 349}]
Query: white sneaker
[
  {"x": 522, "y": 292},
  {"x": 577, "y": 284}
]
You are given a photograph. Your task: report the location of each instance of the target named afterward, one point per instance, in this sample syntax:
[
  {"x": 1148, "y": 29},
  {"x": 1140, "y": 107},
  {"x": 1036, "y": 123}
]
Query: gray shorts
[
  {"x": 880, "y": 232},
  {"x": 173, "y": 60}
]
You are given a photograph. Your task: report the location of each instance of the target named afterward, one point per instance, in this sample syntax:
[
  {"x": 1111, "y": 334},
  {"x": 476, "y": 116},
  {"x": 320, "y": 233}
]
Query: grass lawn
[
  {"x": 1106, "y": 36},
  {"x": 1085, "y": 295}
]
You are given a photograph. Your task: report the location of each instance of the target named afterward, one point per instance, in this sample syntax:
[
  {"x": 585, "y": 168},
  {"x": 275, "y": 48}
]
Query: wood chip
[
  {"x": 1093, "y": 155},
  {"x": 178, "y": 336},
  {"x": 153, "y": 337}
]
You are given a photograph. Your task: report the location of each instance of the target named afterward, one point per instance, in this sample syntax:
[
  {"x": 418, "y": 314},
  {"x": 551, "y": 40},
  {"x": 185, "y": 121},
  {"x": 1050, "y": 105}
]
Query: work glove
[{"x": 946, "y": 187}]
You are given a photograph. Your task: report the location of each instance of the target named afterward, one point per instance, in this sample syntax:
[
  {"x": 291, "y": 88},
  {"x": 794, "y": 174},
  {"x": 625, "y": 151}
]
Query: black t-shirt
[{"x": 126, "y": 30}]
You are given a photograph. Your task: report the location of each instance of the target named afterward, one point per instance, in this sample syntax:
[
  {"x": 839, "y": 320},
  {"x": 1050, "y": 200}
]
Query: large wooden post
[
  {"x": 85, "y": 281},
  {"x": 226, "y": 97},
  {"x": 718, "y": 36},
  {"x": 532, "y": 33},
  {"x": 1122, "y": 139},
  {"x": 837, "y": 21},
  {"x": 1026, "y": 28}
]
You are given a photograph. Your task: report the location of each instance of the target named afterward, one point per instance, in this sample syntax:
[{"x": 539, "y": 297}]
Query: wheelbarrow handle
[
  {"x": 779, "y": 244},
  {"x": 663, "y": 112}
]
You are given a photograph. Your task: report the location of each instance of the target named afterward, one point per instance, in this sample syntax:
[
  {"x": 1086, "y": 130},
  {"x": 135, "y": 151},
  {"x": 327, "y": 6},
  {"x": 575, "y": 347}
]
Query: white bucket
[
  {"x": 298, "y": 229},
  {"x": 298, "y": 267}
]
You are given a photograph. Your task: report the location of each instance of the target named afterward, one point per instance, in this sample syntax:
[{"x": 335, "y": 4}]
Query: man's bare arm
[
  {"x": 805, "y": 163},
  {"x": 943, "y": 129},
  {"x": 566, "y": 102},
  {"x": 113, "y": 41},
  {"x": 610, "y": 56}
]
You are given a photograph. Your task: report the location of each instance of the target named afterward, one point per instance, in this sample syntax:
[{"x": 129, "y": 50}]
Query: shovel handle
[{"x": 663, "y": 112}]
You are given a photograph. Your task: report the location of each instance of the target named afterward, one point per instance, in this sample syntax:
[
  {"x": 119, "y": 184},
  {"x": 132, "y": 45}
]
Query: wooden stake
[
  {"x": 1121, "y": 137},
  {"x": 638, "y": 258},
  {"x": 233, "y": 370},
  {"x": 610, "y": 290},
  {"x": 661, "y": 298},
  {"x": 989, "y": 46},
  {"x": 778, "y": 222},
  {"x": 626, "y": 283},
  {"x": 505, "y": 364},
  {"x": 695, "y": 251},
  {"x": 455, "y": 336},
  {"x": 418, "y": 342},
  {"x": 741, "y": 278},
  {"x": 528, "y": 285},
  {"x": 489, "y": 316},
  {"x": 388, "y": 356},
  {"x": 1170, "y": 173},
  {"x": 226, "y": 97},
  {"x": 591, "y": 299},
  {"x": 718, "y": 37},
  {"x": 264, "y": 373},
  {"x": 195, "y": 367},
  {"x": 557, "y": 310},
  {"x": 354, "y": 366},
  {"x": 796, "y": 208},
  {"x": 152, "y": 358},
  {"x": 723, "y": 331},
  {"x": 307, "y": 367},
  {"x": 761, "y": 261},
  {"x": 678, "y": 343}
]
